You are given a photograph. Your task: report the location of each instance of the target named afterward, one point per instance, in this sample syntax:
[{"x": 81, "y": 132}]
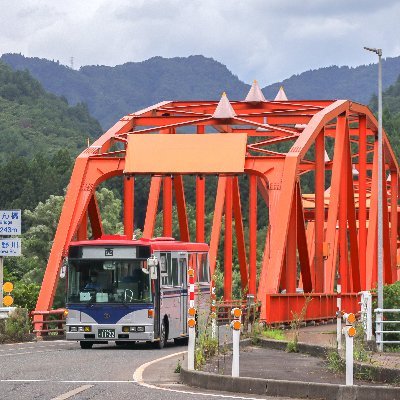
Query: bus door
[{"x": 184, "y": 291}]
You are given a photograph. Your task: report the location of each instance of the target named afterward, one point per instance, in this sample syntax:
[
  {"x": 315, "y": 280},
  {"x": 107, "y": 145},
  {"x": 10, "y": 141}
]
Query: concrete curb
[
  {"x": 282, "y": 388},
  {"x": 311, "y": 390}
]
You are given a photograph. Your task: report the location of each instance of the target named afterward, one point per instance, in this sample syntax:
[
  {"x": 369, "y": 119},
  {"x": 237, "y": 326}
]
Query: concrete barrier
[{"x": 283, "y": 388}]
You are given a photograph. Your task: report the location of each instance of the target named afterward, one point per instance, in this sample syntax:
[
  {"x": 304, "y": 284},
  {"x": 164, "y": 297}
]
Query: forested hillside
[
  {"x": 111, "y": 92},
  {"x": 40, "y": 135}
]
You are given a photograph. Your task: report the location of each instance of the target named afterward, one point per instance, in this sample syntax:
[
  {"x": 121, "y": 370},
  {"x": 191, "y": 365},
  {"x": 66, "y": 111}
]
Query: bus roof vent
[{"x": 164, "y": 239}]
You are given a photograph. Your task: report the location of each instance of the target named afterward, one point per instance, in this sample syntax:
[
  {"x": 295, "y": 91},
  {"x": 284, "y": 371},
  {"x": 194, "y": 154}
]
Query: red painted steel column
[
  {"x": 200, "y": 200},
  {"x": 343, "y": 250},
  {"x": 152, "y": 206},
  {"x": 318, "y": 279},
  {"x": 129, "y": 203},
  {"x": 81, "y": 233},
  {"x": 252, "y": 233},
  {"x": 394, "y": 182},
  {"x": 291, "y": 249},
  {"x": 94, "y": 217},
  {"x": 167, "y": 206},
  {"x": 362, "y": 193},
  {"x": 228, "y": 241},
  {"x": 181, "y": 208},
  {"x": 240, "y": 242},
  {"x": 372, "y": 238},
  {"x": 216, "y": 225}
]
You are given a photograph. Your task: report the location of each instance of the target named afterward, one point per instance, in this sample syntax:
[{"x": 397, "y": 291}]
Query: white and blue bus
[{"x": 132, "y": 290}]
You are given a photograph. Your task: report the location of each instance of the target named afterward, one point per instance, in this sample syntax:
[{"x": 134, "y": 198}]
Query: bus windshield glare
[{"x": 106, "y": 281}]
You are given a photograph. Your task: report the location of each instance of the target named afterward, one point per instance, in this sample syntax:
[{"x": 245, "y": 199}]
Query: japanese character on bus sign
[
  {"x": 10, "y": 247},
  {"x": 10, "y": 222}
]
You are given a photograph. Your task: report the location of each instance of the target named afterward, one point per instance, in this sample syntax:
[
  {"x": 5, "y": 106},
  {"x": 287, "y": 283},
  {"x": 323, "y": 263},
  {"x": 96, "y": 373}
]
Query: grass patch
[{"x": 270, "y": 333}]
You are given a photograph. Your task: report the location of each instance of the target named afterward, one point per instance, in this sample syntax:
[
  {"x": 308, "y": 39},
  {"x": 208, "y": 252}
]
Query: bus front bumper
[{"x": 107, "y": 333}]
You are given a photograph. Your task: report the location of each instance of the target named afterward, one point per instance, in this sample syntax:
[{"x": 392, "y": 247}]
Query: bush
[
  {"x": 17, "y": 327},
  {"x": 391, "y": 300}
]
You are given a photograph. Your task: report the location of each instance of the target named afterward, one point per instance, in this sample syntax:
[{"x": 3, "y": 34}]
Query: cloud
[{"x": 266, "y": 40}]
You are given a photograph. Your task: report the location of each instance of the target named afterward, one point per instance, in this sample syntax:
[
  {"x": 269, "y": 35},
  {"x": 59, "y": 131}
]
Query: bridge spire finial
[
  {"x": 224, "y": 109},
  {"x": 255, "y": 94},
  {"x": 281, "y": 95}
]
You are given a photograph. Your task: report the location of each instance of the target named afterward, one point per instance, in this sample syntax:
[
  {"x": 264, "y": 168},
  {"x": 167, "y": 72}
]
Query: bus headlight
[
  {"x": 87, "y": 329},
  {"x": 73, "y": 329},
  {"x": 140, "y": 329}
]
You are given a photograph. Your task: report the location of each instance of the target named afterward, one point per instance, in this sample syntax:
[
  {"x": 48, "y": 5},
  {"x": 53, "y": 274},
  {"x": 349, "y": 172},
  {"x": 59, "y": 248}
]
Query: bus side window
[
  {"x": 175, "y": 273},
  {"x": 203, "y": 272}
]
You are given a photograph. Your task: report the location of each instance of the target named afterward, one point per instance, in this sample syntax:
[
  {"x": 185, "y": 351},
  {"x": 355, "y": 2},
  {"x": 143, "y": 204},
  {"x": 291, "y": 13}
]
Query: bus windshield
[{"x": 108, "y": 281}]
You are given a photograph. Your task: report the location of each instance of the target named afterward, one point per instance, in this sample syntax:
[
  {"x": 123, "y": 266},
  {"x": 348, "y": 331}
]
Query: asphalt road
[{"x": 60, "y": 370}]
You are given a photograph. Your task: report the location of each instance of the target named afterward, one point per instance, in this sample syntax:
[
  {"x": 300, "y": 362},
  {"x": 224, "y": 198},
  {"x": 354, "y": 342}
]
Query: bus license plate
[{"x": 106, "y": 333}]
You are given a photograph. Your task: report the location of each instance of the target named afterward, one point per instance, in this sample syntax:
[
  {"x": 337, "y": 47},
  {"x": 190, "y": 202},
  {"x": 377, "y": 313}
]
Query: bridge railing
[
  {"x": 49, "y": 323},
  {"x": 381, "y": 322}
]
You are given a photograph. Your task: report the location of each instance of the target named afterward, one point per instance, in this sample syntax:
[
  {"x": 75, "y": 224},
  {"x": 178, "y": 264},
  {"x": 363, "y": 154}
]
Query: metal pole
[
  {"x": 349, "y": 360},
  {"x": 235, "y": 349},
  {"x": 1, "y": 281},
  {"x": 339, "y": 317},
  {"x": 380, "y": 190},
  {"x": 191, "y": 347}
]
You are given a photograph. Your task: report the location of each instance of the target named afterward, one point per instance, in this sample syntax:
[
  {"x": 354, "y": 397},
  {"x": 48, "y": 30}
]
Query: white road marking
[
  {"x": 27, "y": 352},
  {"x": 72, "y": 392},
  {"x": 138, "y": 378},
  {"x": 57, "y": 381}
]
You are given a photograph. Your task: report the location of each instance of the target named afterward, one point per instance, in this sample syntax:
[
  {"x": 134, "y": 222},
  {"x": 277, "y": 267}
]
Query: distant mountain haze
[{"x": 112, "y": 92}]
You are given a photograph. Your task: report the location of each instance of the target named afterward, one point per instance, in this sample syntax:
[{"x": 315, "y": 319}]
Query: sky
[{"x": 267, "y": 40}]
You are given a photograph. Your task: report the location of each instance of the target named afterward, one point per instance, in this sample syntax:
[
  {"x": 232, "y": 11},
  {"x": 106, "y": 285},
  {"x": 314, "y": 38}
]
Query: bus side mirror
[{"x": 152, "y": 263}]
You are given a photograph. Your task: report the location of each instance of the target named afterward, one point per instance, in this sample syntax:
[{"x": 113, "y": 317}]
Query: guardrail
[
  {"x": 250, "y": 311},
  {"x": 380, "y": 323},
  {"x": 51, "y": 323}
]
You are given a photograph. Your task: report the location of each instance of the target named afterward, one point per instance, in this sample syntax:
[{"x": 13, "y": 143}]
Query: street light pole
[{"x": 380, "y": 189}]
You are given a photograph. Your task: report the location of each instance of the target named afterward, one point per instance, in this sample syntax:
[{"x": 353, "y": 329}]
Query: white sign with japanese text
[
  {"x": 10, "y": 222},
  {"x": 10, "y": 247}
]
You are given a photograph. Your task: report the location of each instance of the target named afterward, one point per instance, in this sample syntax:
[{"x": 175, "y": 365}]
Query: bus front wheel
[{"x": 86, "y": 345}]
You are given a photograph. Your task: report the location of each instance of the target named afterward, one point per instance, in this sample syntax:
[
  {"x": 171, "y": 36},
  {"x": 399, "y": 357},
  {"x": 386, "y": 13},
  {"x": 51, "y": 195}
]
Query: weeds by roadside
[
  {"x": 295, "y": 325},
  {"x": 16, "y": 328}
]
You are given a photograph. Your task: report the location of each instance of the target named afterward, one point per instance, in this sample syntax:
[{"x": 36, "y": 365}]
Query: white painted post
[
  {"x": 349, "y": 359},
  {"x": 369, "y": 316},
  {"x": 191, "y": 346},
  {"x": 235, "y": 356},
  {"x": 191, "y": 321},
  {"x": 339, "y": 317},
  {"x": 213, "y": 313},
  {"x": 236, "y": 325},
  {"x": 366, "y": 313},
  {"x": 349, "y": 331}
]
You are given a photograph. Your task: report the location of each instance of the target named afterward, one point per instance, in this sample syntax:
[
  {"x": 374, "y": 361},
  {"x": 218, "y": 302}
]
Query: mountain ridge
[{"x": 112, "y": 92}]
